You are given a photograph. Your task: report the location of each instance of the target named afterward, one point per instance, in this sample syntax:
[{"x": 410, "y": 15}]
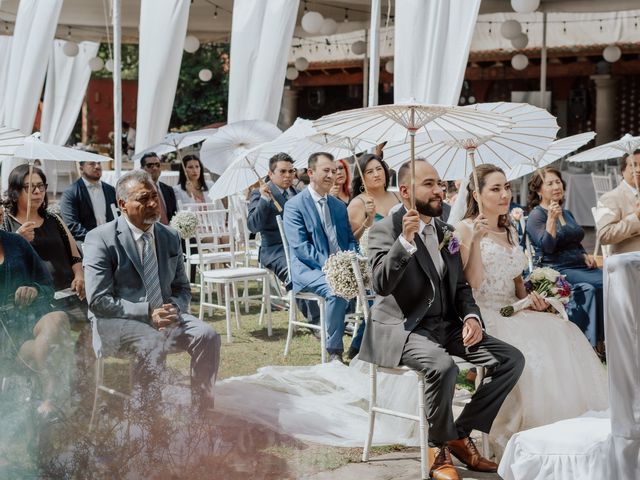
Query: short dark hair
[
  {"x": 623, "y": 160},
  {"x": 16, "y": 177},
  {"x": 405, "y": 171},
  {"x": 143, "y": 159},
  {"x": 313, "y": 159},
  {"x": 279, "y": 157},
  {"x": 364, "y": 160}
]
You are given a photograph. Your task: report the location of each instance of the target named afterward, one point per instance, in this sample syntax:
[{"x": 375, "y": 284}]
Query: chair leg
[
  {"x": 202, "y": 300},
  {"x": 422, "y": 412},
  {"x": 227, "y": 304},
  {"x": 266, "y": 304},
  {"x": 323, "y": 331},
  {"x": 99, "y": 378},
  {"x": 373, "y": 388},
  {"x": 292, "y": 317},
  {"x": 236, "y": 308},
  {"x": 245, "y": 295}
]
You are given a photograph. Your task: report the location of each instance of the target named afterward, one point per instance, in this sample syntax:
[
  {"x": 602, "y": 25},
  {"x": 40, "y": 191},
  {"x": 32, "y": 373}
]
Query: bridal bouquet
[
  {"x": 186, "y": 223},
  {"x": 340, "y": 276},
  {"x": 549, "y": 284}
]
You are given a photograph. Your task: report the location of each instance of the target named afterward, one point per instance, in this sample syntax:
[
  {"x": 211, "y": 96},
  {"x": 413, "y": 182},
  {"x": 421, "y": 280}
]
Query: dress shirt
[
  {"x": 316, "y": 201},
  {"x": 137, "y": 237},
  {"x": 98, "y": 202},
  {"x": 632, "y": 189}
]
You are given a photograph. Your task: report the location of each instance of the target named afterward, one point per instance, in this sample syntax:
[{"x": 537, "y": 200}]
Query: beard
[
  {"x": 152, "y": 220},
  {"x": 427, "y": 209}
]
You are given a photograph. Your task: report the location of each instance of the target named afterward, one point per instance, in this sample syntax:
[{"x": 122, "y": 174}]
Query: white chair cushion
[{"x": 232, "y": 273}]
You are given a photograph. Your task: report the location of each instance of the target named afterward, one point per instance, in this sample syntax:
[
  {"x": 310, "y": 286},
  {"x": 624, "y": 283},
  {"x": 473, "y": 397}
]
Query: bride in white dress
[{"x": 563, "y": 377}]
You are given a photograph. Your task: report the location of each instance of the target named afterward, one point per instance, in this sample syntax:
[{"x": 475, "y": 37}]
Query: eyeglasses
[
  {"x": 42, "y": 187},
  {"x": 152, "y": 165}
]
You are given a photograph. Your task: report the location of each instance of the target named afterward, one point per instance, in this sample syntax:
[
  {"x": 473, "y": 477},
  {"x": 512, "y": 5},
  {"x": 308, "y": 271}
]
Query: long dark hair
[
  {"x": 182, "y": 179},
  {"x": 16, "y": 179},
  {"x": 535, "y": 184},
  {"x": 472, "y": 205},
  {"x": 357, "y": 184}
]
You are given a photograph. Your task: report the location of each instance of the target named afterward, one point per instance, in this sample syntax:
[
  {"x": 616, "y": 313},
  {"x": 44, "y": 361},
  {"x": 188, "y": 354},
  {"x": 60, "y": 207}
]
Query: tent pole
[
  {"x": 374, "y": 53},
  {"x": 117, "y": 89},
  {"x": 543, "y": 64}
]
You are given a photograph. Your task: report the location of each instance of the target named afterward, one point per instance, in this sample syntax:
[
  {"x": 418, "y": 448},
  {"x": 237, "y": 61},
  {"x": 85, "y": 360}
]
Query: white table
[{"x": 580, "y": 197}]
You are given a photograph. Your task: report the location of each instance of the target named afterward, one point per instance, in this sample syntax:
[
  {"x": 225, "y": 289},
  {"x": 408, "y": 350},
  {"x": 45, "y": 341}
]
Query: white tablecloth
[
  {"x": 580, "y": 197},
  {"x": 170, "y": 177}
]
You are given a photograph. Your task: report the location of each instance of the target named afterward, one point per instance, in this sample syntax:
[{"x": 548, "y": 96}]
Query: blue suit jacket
[
  {"x": 308, "y": 243},
  {"x": 77, "y": 209}
]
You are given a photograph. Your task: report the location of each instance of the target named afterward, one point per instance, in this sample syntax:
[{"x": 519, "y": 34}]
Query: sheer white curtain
[
  {"x": 260, "y": 41},
  {"x": 33, "y": 34},
  {"x": 432, "y": 40},
  {"x": 5, "y": 55},
  {"x": 163, "y": 26}
]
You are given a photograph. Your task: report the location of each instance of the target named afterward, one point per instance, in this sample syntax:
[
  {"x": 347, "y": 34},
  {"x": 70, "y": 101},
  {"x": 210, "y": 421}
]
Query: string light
[
  {"x": 346, "y": 15},
  {"x": 215, "y": 12}
]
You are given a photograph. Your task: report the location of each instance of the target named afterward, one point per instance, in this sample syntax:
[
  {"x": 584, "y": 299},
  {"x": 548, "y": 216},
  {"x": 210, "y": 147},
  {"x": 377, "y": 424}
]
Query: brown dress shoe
[
  {"x": 465, "y": 450},
  {"x": 441, "y": 464}
]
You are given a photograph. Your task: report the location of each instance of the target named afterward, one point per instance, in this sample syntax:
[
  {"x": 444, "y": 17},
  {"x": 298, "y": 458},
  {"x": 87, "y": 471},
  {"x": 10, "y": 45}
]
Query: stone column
[
  {"x": 605, "y": 108},
  {"x": 289, "y": 108}
]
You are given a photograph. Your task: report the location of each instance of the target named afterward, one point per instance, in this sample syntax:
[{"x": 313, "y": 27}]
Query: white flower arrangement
[
  {"x": 54, "y": 209},
  {"x": 364, "y": 243},
  {"x": 340, "y": 275},
  {"x": 186, "y": 223}
]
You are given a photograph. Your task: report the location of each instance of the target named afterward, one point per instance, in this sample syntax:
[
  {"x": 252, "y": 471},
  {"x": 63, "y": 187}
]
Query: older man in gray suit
[
  {"x": 139, "y": 294},
  {"x": 424, "y": 313}
]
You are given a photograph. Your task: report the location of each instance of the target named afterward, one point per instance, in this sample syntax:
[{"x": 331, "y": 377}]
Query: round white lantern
[
  {"x": 292, "y": 73},
  {"x": 109, "y": 65},
  {"x": 612, "y": 53},
  {"x": 191, "y": 44},
  {"x": 359, "y": 47},
  {"x": 301, "y": 64},
  {"x": 70, "y": 49},
  {"x": 329, "y": 26},
  {"x": 519, "y": 61},
  {"x": 472, "y": 99},
  {"x": 312, "y": 22},
  {"x": 525, "y": 6},
  {"x": 389, "y": 66},
  {"x": 510, "y": 29},
  {"x": 96, "y": 64},
  {"x": 520, "y": 42},
  {"x": 205, "y": 75}
]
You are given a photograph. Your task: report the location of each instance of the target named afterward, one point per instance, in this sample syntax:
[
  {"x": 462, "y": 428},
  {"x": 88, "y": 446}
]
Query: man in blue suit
[{"x": 317, "y": 225}]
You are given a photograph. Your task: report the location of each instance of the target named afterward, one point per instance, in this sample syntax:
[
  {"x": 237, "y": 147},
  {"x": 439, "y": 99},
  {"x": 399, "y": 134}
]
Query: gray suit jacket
[
  {"x": 405, "y": 291},
  {"x": 114, "y": 272}
]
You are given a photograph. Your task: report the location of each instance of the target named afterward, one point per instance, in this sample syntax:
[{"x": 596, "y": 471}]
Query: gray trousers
[{"x": 429, "y": 350}]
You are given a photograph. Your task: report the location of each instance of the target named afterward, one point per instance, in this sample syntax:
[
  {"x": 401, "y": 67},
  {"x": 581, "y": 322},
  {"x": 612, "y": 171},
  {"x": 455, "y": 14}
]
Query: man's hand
[
  {"x": 27, "y": 231},
  {"x": 471, "y": 332},
  {"x": 164, "y": 316},
  {"x": 410, "y": 225},
  {"x": 25, "y": 296},
  {"x": 266, "y": 191},
  {"x": 638, "y": 210},
  {"x": 590, "y": 261}
]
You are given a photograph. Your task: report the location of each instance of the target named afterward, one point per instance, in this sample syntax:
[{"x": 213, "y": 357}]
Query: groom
[{"x": 424, "y": 313}]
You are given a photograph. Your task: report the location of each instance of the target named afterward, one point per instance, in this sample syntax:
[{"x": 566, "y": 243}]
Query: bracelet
[{"x": 75, "y": 260}]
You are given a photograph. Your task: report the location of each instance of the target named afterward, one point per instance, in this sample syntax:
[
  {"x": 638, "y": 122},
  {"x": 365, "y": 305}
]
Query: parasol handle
[
  {"x": 29, "y": 191},
  {"x": 412, "y": 136}
]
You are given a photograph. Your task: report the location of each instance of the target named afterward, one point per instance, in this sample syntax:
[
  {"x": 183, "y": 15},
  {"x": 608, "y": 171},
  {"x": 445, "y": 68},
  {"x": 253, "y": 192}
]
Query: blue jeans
[{"x": 586, "y": 306}]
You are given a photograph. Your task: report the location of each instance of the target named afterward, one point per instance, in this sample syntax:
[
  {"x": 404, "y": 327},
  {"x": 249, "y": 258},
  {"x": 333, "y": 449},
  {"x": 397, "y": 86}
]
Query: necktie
[
  {"x": 285, "y": 195},
  {"x": 431, "y": 242},
  {"x": 150, "y": 269},
  {"x": 328, "y": 226}
]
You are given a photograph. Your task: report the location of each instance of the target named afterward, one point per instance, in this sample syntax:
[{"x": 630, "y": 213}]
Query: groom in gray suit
[
  {"x": 139, "y": 294},
  {"x": 425, "y": 312}
]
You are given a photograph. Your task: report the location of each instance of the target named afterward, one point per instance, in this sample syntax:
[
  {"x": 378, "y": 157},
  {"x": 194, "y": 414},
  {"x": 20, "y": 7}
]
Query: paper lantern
[
  {"x": 205, "y": 75},
  {"x": 96, "y": 64},
  {"x": 389, "y": 66},
  {"x": 359, "y": 47},
  {"x": 510, "y": 29},
  {"x": 109, "y": 65},
  {"x": 525, "y": 6},
  {"x": 329, "y": 26},
  {"x": 520, "y": 42},
  {"x": 70, "y": 49},
  {"x": 292, "y": 73},
  {"x": 519, "y": 61},
  {"x": 301, "y": 64},
  {"x": 312, "y": 22},
  {"x": 612, "y": 53},
  {"x": 472, "y": 99},
  {"x": 191, "y": 44}
]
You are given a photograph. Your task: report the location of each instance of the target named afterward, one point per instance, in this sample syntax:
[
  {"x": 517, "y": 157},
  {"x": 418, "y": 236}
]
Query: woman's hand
[
  {"x": 27, "y": 231},
  {"x": 590, "y": 261},
  {"x": 554, "y": 211},
  {"x": 25, "y": 296},
  {"x": 77, "y": 285},
  {"x": 335, "y": 191},
  {"x": 369, "y": 208},
  {"x": 480, "y": 227},
  {"x": 538, "y": 302}
]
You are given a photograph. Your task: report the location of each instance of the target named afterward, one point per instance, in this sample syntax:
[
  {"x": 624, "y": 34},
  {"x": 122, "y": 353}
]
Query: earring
[{"x": 361, "y": 188}]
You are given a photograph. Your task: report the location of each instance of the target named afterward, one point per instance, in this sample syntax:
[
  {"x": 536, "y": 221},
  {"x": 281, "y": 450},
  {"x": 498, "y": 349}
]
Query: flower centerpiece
[
  {"x": 549, "y": 284},
  {"x": 340, "y": 276},
  {"x": 186, "y": 223}
]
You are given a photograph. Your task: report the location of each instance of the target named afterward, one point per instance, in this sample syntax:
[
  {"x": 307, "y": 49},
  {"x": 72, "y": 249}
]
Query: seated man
[
  {"x": 424, "y": 312},
  {"x": 618, "y": 211},
  {"x": 86, "y": 203},
  {"x": 150, "y": 163},
  {"x": 317, "y": 225},
  {"x": 139, "y": 294}
]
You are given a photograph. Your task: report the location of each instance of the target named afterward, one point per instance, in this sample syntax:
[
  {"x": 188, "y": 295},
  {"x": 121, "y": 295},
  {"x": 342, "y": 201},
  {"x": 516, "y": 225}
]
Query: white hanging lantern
[
  {"x": 312, "y": 22},
  {"x": 329, "y": 26},
  {"x": 292, "y": 73},
  {"x": 96, "y": 64},
  {"x": 191, "y": 44},
  {"x": 389, "y": 66},
  {"x": 359, "y": 47},
  {"x": 510, "y": 29},
  {"x": 301, "y": 64},
  {"x": 109, "y": 65},
  {"x": 612, "y": 53},
  {"x": 520, "y": 42},
  {"x": 519, "y": 61},
  {"x": 70, "y": 49},
  {"x": 205, "y": 75},
  {"x": 525, "y": 6}
]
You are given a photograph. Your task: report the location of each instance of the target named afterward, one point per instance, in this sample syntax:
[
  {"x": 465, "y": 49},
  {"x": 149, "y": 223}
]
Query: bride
[{"x": 563, "y": 377}]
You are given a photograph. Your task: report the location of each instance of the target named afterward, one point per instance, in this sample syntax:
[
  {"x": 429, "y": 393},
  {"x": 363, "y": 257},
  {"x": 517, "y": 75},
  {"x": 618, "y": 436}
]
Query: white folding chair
[
  {"x": 293, "y": 309},
  {"x": 601, "y": 184}
]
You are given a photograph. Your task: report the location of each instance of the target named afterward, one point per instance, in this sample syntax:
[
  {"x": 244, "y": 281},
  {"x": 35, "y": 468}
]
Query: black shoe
[
  {"x": 352, "y": 352},
  {"x": 336, "y": 356}
]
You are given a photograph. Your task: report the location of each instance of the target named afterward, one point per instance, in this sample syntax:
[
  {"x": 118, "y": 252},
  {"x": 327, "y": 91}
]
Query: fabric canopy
[{"x": 5, "y": 55}]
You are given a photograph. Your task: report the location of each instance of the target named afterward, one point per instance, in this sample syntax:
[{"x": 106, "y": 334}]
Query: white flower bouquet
[
  {"x": 363, "y": 243},
  {"x": 186, "y": 223},
  {"x": 340, "y": 276},
  {"x": 549, "y": 284},
  {"x": 54, "y": 209}
]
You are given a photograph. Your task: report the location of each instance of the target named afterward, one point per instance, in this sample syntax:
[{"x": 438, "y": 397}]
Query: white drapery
[
  {"x": 33, "y": 34},
  {"x": 5, "y": 55},
  {"x": 432, "y": 40},
  {"x": 260, "y": 41},
  {"x": 163, "y": 26}
]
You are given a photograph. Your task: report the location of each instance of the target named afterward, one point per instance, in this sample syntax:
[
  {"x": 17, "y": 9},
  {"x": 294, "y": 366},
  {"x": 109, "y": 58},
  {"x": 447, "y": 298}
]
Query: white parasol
[{"x": 175, "y": 141}]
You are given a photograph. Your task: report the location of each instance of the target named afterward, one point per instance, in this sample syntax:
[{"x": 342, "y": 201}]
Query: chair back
[
  {"x": 601, "y": 184},
  {"x": 285, "y": 245},
  {"x": 238, "y": 214},
  {"x": 213, "y": 234},
  {"x": 363, "y": 299}
]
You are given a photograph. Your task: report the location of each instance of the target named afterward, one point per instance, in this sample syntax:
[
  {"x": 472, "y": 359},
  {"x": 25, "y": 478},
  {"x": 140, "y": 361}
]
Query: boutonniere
[{"x": 450, "y": 242}]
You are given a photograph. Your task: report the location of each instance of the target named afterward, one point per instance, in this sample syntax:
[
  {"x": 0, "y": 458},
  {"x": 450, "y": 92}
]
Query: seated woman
[
  {"x": 563, "y": 377},
  {"x": 341, "y": 185},
  {"x": 372, "y": 201},
  {"x": 192, "y": 186},
  {"x": 559, "y": 246}
]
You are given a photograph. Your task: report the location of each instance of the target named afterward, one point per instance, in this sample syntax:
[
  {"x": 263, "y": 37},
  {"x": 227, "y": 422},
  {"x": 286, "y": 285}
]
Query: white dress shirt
[
  {"x": 98, "y": 202},
  {"x": 316, "y": 200},
  {"x": 137, "y": 238},
  {"x": 632, "y": 189}
]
